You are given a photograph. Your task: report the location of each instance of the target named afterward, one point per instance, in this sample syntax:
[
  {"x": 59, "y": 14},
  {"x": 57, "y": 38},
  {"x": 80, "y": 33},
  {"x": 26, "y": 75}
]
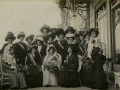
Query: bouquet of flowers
[
  {"x": 68, "y": 67},
  {"x": 52, "y": 65},
  {"x": 87, "y": 63},
  {"x": 20, "y": 67},
  {"x": 33, "y": 69}
]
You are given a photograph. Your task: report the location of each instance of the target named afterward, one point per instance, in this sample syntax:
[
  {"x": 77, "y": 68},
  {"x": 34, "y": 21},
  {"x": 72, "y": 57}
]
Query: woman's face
[
  {"x": 71, "y": 39},
  {"x": 29, "y": 40},
  {"x": 69, "y": 50},
  {"x": 81, "y": 37},
  {"x": 51, "y": 51},
  {"x": 50, "y": 39},
  {"x": 21, "y": 38},
  {"x": 39, "y": 43},
  {"x": 93, "y": 34},
  {"x": 12, "y": 51},
  {"x": 45, "y": 31},
  {"x": 61, "y": 36},
  {"x": 9, "y": 41},
  {"x": 33, "y": 51},
  {"x": 87, "y": 37}
]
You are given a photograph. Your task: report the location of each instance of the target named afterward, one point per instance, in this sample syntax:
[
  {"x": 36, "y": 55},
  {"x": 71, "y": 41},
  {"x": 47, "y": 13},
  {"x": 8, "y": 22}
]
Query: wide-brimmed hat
[
  {"x": 39, "y": 39},
  {"x": 70, "y": 29},
  {"x": 11, "y": 36},
  {"x": 70, "y": 35},
  {"x": 94, "y": 30},
  {"x": 60, "y": 31},
  {"x": 31, "y": 36},
  {"x": 51, "y": 35},
  {"x": 31, "y": 47},
  {"x": 55, "y": 33},
  {"x": 21, "y": 34},
  {"x": 45, "y": 27}
]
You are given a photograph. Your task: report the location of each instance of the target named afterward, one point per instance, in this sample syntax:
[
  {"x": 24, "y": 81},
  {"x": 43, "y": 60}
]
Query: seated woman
[
  {"x": 16, "y": 78},
  {"x": 51, "y": 65},
  {"x": 33, "y": 63},
  {"x": 68, "y": 76}
]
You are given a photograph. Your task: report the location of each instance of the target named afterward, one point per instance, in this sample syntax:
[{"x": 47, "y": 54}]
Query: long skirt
[
  {"x": 98, "y": 75},
  {"x": 34, "y": 80},
  {"x": 49, "y": 78},
  {"x": 16, "y": 79},
  {"x": 86, "y": 77},
  {"x": 68, "y": 79}
]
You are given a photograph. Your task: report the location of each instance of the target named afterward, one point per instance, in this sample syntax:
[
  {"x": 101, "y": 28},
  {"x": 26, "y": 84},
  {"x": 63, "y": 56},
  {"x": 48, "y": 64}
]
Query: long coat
[
  {"x": 42, "y": 52},
  {"x": 21, "y": 52}
]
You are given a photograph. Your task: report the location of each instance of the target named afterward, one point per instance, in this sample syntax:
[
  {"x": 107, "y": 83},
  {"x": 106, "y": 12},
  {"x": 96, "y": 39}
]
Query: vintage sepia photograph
[{"x": 59, "y": 44}]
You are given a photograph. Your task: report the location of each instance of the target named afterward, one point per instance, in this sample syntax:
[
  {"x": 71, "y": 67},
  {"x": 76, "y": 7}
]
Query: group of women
[{"x": 54, "y": 48}]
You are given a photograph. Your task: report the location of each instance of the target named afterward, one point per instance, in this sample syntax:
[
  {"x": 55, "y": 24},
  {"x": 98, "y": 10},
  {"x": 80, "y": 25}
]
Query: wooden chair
[{"x": 4, "y": 79}]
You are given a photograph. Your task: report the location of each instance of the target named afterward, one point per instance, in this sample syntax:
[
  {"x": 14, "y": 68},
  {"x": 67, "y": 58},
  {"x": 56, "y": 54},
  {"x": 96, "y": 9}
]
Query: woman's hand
[{"x": 65, "y": 61}]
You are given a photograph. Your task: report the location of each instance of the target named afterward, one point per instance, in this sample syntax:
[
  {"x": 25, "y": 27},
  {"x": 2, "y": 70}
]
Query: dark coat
[
  {"x": 36, "y": 58},
  {"x": 62, "y": 50},
  {"x": 42, "y": 52},
  {"x": 20, "y": 52},
  {"x": 73, "y": 59}
]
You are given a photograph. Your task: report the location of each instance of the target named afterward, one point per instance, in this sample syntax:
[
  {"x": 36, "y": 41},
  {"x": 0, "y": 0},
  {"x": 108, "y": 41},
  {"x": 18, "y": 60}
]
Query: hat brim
[
  {"x": 10, "y": 37},
  {"x": 42, "y": 29},
  {"x": 31, "y": 37}
]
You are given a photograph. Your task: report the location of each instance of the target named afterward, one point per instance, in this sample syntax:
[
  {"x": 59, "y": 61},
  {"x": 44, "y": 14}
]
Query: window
[{"x": 101, "y": 23}]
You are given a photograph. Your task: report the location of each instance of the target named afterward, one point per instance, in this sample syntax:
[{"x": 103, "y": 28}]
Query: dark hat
[
  {"x": 11, "y": 36},
  {"x": 94, "y": 30},
  {"x": 77, "y": 34},
  {"x": 87, "y": 33},
  {"x": 51, "y": 35},
  {"x": 21, "y": 34},
  {"x": 70, "y": 29},
  {"x": 60, "y": 31},
  {"x": 31, "y": 36},
  {"x": 45, "y": 27},
  {"x": 55, "y": 33},
  {"x": 31, "y": 47}
]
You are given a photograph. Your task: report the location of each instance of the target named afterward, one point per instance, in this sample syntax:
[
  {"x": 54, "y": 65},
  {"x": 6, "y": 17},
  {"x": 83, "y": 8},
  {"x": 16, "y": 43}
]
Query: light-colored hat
[
  {"x": 39, "y": 39},
  {"x": 31, "y": 36},
  {"x": 70, "y": 35}
]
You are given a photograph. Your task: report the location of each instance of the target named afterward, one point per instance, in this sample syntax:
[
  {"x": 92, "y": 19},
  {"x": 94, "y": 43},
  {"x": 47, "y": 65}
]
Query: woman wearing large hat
[
  {"x": 45, "y": 29},
  {"x": 98, "y": 75},
  {"x": 70, "y": 30},
  {"x": 9, "y": 39},
  {"x": 41, "y": 47},
  {"x": 50, "y": 39},
  {"x": 61, "y": 43},
  {"x": 21, "y": 48},
  {"x": 29, "y": 39},
  {"x": 33, "y": 63}
]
